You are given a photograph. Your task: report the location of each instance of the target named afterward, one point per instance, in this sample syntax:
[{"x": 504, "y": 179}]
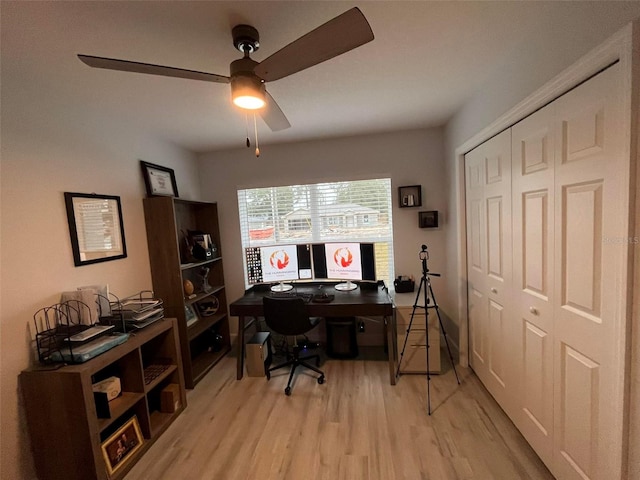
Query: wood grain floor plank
[{"x": 356, "y": 426}]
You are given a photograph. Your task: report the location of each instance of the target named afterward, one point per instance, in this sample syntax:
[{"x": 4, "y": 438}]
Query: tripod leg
[
  {"x": 426, "y": 322},
  {"x": 406, "y": 335},
  {"x": 444, "y": 333}
]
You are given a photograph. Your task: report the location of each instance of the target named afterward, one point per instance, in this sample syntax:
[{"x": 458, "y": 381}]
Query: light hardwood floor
[{"x": 354, "y": 427}]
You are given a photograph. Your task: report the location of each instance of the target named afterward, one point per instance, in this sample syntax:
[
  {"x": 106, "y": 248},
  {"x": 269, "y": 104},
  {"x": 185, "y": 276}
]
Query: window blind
[{"x": 358, "y": 211}]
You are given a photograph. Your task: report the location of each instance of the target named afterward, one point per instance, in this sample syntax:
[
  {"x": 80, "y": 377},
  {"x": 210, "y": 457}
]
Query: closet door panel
[
  {"x": 477, "y": 261},
  {"x": 591, "y": 205},
  {"x": 533, "y": 256},
  {"x": 491, "y": 327}
]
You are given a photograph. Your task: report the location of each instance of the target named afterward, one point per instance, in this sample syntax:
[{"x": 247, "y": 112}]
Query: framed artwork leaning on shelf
[
  {"x": 122, "y": 445},
  {"x": 159, "y": 180}
]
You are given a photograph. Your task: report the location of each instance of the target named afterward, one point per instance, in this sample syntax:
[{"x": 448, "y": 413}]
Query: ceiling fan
[{"x": 248, "y": 77}]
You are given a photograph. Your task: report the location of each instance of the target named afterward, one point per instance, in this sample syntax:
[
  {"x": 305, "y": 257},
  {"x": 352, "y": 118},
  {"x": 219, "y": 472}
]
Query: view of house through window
[{"x": 353, "y": 211}]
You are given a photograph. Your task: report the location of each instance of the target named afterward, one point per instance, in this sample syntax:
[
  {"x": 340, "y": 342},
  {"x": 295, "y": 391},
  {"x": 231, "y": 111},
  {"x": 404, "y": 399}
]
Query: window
[{"x": 357, "y": 211}]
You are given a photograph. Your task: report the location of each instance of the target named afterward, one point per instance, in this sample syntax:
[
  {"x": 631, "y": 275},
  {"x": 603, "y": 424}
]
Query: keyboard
[{"x": 305, "y": 296}]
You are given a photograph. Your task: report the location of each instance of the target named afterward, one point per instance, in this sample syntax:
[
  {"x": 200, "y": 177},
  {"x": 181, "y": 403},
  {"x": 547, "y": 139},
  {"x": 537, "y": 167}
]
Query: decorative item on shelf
[
  {"x": 170, "y": 398},
  {"x": 208, "y": 306},
  {"x": 151, "y": 372},
  {"x": 122, "y": 445},
  {"x": 403, "y": 284},
  {"x": 203, "y": 246},
  {"x": 203, "y": 284},
  {"x": 214, "y": 340},
  {"x": 428, "y": 219},
  {"x": 410, "y": 196},
  {"x": 159, "y": 180},
  {"x": 111, "y": 387},
  {"x": 190, "y": 315},
  {"x": 188, "y": 287},
  {"x": 186, "y": 248},
  {"x": 104, "y": 392}
]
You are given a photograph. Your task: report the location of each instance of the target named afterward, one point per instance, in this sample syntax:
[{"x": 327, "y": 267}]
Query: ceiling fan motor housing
[{"x": 245, "y": 83}]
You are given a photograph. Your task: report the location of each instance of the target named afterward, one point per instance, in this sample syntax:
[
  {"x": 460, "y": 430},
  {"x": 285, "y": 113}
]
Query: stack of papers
[{"x": 139, "y": 313}]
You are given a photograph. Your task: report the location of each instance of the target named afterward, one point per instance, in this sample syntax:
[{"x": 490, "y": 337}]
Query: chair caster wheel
[
  {"x": 321, "y": 380},
  {"x": 287, "y": 391}
]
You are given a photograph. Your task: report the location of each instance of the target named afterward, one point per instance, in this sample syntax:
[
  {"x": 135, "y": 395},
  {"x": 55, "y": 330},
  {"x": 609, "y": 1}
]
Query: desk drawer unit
[{"x": 415, "y": 353}]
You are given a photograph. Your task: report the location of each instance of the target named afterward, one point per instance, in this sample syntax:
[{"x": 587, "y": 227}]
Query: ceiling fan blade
[
  {"x": 345, "y": 32},
  {"x": 137, "y": 67},
  {"x": 273, "y": 116}
]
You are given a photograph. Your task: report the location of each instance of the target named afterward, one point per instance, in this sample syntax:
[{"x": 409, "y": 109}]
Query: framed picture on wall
[
  {"x": 159, "y": 180},
  {"x": 428, "y": 219}
]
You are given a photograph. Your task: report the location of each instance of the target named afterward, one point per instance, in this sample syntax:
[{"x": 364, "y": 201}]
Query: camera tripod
[{"x": 425, "y": 283}]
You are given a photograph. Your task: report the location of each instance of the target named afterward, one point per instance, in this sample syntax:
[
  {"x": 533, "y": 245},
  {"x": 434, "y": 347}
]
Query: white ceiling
[{"x": 427, "y": 59}]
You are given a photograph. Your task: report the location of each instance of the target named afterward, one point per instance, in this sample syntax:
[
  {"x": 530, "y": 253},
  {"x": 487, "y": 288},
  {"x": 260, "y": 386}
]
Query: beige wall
[
  {"x": 408, "y": 158},
  {"x": 43, "y": 155}
]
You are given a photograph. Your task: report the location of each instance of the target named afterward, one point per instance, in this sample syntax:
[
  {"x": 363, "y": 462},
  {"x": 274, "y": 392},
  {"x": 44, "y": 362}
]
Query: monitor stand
[
  {"x": 281, "y": 287},
  {"x": 347, "y": 286}
]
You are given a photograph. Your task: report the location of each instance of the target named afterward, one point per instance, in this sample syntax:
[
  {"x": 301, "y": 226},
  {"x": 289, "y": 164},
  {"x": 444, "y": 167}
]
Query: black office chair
[{"x": 288, "y": 316}]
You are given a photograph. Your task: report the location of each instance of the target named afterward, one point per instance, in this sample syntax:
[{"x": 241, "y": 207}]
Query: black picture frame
[
  {"x": 159, "y": 180},
  {"x": 428, "y": 219},
  {"x": 96, "y": 228}
]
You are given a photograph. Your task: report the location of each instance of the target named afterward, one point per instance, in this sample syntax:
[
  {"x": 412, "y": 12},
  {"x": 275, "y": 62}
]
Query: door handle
[
  {"x": 533, "y": 310},
  {"x": 494, "y": 290}
]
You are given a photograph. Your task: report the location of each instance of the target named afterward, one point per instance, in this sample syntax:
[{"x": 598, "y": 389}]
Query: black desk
[{"x": 358, "y": 302}]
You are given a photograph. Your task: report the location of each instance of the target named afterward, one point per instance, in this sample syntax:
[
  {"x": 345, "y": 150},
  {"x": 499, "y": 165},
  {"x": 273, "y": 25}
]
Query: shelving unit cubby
[
  {"x": 65, "y": 428},
  {"x": 167, "y": 220}
]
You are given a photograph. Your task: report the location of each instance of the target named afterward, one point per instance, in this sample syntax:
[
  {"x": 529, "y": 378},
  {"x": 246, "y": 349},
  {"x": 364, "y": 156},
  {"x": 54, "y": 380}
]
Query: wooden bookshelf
[
  {"x": 65, "y": 429},
  {"x": 167, "y": 220}
]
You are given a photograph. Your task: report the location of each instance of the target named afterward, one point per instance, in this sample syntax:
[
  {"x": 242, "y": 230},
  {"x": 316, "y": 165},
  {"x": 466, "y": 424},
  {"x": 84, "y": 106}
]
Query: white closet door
[
  {"x": 533, "y": 255},
  {"x": 488, "y": 170},
  {"x": 590, "y": 265}
]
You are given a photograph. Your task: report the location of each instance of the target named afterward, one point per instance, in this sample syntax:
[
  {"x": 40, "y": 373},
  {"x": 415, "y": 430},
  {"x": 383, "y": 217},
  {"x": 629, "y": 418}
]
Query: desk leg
[
  {"x": 240, "y": 348},
  {"x": 391, "y": 347}
]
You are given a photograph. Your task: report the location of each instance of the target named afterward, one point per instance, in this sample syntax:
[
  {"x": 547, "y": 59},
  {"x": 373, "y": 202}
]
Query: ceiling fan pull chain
[
  {"x": 246, "y": 124},
  {"x": 255, "y": 127}
]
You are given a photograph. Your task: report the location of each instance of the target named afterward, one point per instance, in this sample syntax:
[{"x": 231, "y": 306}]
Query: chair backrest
[{"x": 287, "y": 315}]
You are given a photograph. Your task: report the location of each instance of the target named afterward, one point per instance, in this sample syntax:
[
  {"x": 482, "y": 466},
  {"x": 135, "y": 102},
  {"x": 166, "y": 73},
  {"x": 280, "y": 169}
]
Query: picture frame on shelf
[
  {"x": 190, "y": 315},
  {"x": 159, "y": 180},
  {"x": 122, "y": 445}
]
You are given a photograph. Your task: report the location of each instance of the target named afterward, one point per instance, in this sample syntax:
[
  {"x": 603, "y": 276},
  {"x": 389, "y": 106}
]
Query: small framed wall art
[
  {"x": 96, "y": 228},
  {"x": 428, "y": 219},
  {"x": 159, "y": 180}
]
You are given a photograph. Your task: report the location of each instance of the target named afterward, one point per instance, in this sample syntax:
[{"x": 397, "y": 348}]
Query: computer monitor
[
  {"x": 278, "y": 264},
  {"x": 348, "y": 261}
]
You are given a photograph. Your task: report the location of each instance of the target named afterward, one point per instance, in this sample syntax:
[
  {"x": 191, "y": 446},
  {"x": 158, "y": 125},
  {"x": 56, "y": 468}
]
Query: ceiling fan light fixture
[{"x": 248, "y": 92}]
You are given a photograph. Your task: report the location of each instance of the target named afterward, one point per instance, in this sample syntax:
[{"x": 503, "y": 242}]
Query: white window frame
[{"x": 314, "y": 198}]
